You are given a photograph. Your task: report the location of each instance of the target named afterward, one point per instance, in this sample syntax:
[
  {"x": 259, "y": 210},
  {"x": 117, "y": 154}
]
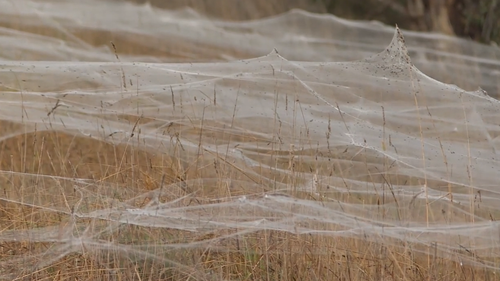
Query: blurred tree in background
[{"x": 475, "y": 19}]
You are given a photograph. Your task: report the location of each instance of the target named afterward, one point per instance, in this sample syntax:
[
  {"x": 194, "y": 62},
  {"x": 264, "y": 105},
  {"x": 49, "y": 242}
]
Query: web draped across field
[{"x": 290, "y": 141}]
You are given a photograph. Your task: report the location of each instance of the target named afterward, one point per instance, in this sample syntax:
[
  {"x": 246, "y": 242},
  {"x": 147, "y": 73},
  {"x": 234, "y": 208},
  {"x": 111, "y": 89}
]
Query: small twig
[
  {"x": 123, "y": 72},
  {"x": 54, "y": 108},
  {"x": 215, "y": 96},
  {"x": 135, "y": 125},
  {"x": 173, "y": 98}
]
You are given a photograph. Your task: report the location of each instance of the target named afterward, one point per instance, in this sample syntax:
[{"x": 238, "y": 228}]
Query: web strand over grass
[{"x": 197, "y": 155}]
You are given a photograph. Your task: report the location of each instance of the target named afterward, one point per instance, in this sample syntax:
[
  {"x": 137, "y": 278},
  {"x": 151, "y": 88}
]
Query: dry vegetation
[{"x": 125, "y": 171}]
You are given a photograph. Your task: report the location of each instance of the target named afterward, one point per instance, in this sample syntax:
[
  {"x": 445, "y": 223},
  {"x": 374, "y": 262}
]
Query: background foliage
[{"x": 475, "y": 19}]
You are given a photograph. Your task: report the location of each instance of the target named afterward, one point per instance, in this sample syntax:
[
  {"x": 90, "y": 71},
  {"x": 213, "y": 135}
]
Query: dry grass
[{"x": 124, "y": 171}]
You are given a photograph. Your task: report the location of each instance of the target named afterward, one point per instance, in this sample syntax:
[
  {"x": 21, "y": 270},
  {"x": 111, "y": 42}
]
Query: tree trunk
[
  {"x": 440, "y": 20},
  {"x": 431, "y": 15}
]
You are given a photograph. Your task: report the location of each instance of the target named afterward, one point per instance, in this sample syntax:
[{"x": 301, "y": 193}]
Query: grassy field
[
  {"x": 127, "y": 172},
  {"x": 49, "y": 175}
]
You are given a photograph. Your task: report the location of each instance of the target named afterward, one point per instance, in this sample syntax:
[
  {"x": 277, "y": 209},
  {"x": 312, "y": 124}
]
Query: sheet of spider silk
[{"x": 328, "y": 126}]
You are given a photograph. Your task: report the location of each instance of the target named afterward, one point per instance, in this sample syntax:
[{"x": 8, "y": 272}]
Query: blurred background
[{"x": 478, "y": 20}]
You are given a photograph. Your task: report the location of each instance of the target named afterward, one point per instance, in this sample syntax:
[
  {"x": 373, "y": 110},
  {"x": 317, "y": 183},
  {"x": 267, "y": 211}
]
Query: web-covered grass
[{"x": 125, "y": 166}]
